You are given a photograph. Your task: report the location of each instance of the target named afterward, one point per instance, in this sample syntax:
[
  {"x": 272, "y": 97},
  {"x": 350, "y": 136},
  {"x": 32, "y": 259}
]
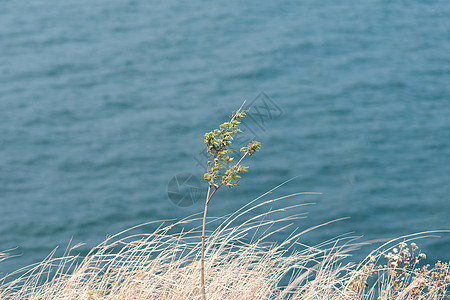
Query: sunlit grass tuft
[{"x": 240, "y": 263}]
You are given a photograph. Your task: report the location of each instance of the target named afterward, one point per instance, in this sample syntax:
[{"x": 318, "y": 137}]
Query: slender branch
[
  {"x": 237, "y": 164},
  {"x": 238, "y": 111},
  {"x": 212, "y": 194},
  {"x": 233, "y": 167}
]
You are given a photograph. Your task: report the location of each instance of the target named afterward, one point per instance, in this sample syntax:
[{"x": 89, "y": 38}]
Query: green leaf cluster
[
  {"x": 218, "y": 144},
  {"x": 251, "y": 148}
]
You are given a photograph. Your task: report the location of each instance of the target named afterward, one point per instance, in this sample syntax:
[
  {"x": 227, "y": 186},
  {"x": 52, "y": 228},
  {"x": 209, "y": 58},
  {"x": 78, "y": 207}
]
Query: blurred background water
[{"x": 103, "y": 102}]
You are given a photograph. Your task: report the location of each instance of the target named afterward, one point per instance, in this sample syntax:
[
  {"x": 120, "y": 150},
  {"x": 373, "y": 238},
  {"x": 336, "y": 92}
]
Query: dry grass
[{"x": 240, "y": 264}]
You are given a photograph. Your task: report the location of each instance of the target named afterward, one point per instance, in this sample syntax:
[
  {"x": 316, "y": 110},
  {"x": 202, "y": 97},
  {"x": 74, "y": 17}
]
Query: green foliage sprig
[{"x": 218, "y": 144}]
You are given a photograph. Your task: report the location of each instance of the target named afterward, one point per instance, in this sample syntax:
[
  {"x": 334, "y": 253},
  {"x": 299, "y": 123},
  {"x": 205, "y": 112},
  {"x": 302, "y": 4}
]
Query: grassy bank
[{"x": 240, "y": 263}]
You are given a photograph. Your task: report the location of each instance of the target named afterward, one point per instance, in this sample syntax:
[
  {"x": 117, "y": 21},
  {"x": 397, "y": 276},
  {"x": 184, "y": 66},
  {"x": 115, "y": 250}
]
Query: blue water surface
[{"x": 103, "y": 102}]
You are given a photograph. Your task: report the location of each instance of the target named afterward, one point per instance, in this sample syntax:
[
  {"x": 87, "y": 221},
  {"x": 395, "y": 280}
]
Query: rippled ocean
[{"x": 102, "y": 103}]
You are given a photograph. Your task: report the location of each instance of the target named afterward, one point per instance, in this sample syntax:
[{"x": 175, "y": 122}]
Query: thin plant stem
[{"x": 202, "y": 260}]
